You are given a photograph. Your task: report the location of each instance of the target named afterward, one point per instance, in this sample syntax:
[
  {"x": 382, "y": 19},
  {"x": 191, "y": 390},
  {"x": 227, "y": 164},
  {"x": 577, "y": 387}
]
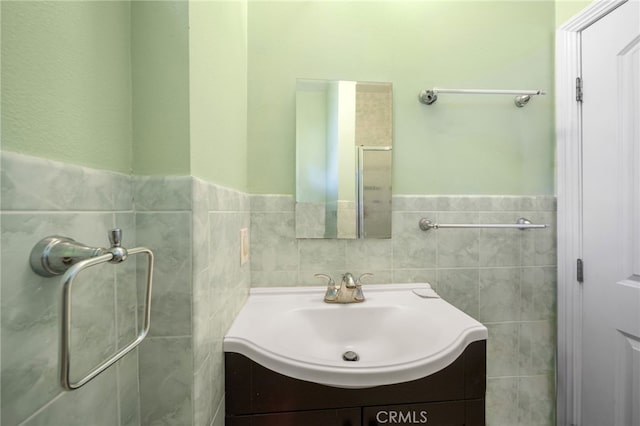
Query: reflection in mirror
[{"x": 343, "y": 159}]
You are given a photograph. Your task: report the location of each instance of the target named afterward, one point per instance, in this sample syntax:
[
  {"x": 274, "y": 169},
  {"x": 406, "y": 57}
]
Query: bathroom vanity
[
  {"x": 454, "y": 396},
  {"x": 398, "y": 358}
]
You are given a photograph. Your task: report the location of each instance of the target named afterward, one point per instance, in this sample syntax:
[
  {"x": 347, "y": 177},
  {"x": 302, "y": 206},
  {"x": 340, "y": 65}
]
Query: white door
[{"x": 611, "y": 219}]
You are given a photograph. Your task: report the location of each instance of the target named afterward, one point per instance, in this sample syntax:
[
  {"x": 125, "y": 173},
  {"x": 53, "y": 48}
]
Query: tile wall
[
  {"x": 221, "y": 285},
  {"x": 194, "y": 229},
  {"x": 505, "y": 278},
  {"x": 164, "y": 224},
  {"x": 176, "y": 376},
  {"x": 42, "y": 198}
]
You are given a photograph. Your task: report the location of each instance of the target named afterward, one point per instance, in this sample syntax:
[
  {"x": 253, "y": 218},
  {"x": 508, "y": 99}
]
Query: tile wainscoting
[
  {"x": 176, "y": 375},
  {"x": 42, "y": 198},
  {"x": 194, "y": 226},
  {"x": 505, "y": 278}
]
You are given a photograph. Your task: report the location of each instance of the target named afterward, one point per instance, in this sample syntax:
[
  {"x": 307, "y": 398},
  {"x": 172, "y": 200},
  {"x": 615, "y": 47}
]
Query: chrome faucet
[{"x": 349, "y": 291}]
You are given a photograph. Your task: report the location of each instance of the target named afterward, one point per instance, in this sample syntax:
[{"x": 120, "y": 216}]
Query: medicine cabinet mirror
[{"x": 343, "y": 159}]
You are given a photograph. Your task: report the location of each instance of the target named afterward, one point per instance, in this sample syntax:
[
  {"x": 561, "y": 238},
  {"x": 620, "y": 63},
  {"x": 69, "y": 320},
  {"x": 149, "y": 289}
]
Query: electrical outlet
[{"x": 244, "y": 246}]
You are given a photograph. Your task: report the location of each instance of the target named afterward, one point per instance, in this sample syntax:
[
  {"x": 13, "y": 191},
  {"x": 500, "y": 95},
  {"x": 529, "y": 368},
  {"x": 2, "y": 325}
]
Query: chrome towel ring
[{"x": 56, "y": 255}]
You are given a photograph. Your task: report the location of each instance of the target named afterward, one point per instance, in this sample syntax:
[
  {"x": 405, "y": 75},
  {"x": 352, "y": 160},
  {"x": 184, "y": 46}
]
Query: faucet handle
[
  {"x": 365, "y": 275},
  {"x": 332, "y": 290},
  {"x": 359, "y": 296},
  {"x": 327, "y": 277}
]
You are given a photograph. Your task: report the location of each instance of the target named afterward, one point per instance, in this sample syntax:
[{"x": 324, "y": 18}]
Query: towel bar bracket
[{"x": 53, "y": 255}]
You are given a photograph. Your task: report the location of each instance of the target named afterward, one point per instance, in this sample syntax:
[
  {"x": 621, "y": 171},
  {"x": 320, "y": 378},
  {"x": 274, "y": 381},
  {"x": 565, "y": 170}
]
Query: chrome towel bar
[
  {"x": 57, "y": 255},
  {"x": 522, "y": 224},
  {"x": 430, "y": 96}
]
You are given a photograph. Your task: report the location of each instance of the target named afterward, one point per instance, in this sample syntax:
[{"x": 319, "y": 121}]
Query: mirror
[{"x": 343, "y": 159}]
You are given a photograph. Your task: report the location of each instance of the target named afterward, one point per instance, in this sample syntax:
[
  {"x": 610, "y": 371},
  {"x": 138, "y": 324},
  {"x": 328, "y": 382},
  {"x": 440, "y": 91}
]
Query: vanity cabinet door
[{"x": 340, "y": 417}]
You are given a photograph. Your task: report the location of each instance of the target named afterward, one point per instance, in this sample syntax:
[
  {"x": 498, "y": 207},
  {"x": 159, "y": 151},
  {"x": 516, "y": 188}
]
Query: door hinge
[
  {"x": 579, "y": 92},
  {"x": 580, "y": 271}
]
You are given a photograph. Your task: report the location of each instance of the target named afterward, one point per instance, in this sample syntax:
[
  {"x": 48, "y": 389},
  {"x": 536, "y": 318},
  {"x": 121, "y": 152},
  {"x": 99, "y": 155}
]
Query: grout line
[
  {"x": 203, "y": 366},
  {"x": 38, "y": 212},
  {"x": 186, "y": 336},
  {"x": 116, "y": 334},
  {"x": 137, "y": 382},
  {"x": 524, "y": 376},
  {"x": 517, "y": 322},
  {"x": 162, "y": 211},
  {"x": 118, "y": 408},
  {"x": 41, "y": 409},
  {"x": 219, "y": 411}
]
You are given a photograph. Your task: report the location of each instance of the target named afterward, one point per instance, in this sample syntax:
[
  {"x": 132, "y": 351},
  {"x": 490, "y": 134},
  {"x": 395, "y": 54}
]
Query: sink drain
[{"x": 350, "y": 356}]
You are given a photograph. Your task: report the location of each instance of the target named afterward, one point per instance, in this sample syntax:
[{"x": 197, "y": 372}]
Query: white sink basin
[{"x": 398, "y": 335}]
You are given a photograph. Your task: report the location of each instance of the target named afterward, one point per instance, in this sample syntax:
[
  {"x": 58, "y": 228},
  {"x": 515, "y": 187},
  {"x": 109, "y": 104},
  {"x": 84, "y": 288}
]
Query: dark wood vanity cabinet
[
  {"x": 339, "y": 417},
  {"x": 454, "y": 396}
]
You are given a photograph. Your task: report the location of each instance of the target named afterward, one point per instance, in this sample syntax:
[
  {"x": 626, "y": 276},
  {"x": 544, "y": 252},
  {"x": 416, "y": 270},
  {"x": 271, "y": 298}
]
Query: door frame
[{"x": 569, "y": 201}]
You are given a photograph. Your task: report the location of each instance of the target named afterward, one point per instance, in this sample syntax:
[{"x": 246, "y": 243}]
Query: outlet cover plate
[{"x": 244, "y": 246}]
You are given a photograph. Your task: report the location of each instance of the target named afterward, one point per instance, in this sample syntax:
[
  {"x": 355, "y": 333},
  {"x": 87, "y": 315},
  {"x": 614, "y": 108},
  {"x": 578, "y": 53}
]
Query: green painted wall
[
  {"x": 66, "y": 84},
  {"x": 1, "y": 116},
  {"x": 149, "y": 87},
  {"x": 568, "y": 8},
  {"x": 160, "y": 75},
  {"x": 218, "y": 91},
  {"x": 162, "y": 87},
  {"x": 462, "y": 144}
]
